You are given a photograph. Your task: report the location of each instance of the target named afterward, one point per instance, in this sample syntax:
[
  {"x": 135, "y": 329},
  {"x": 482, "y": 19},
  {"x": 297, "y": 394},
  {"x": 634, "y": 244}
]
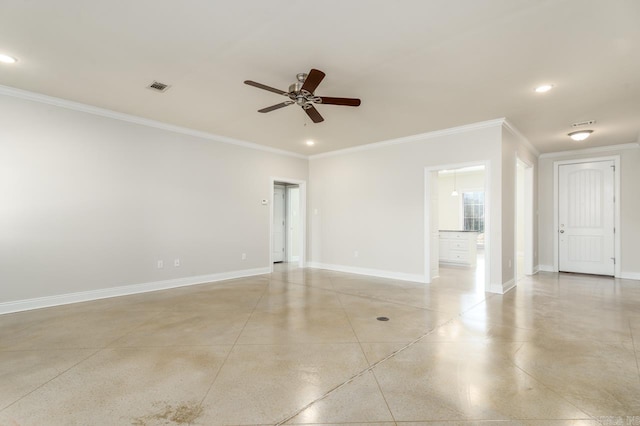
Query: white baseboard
[
  {"x": 623, "y": 275},
  {"x": 498, "y": 288},
  {"x": 630, "y": 275},
  {"x": 508, "y": 285},
  {"x": 370, "y": 272},
  {"x": 536, "y": 269},
  {"x": 85, "y": 296}
]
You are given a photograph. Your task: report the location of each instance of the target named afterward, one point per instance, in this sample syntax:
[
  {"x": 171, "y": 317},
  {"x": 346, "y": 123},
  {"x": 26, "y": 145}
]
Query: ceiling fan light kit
[{"x": 302, "y": 93}]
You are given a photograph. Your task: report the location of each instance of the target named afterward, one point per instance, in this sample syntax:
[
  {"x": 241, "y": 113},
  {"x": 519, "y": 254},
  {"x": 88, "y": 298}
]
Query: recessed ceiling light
[
  {"x": 7, "y": 59},
  {"x": 580, "y": 135},
  {"x": 310, "y": 143},
  {"x": 544, "y": 88}
]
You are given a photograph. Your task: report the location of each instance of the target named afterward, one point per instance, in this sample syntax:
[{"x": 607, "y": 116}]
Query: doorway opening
[
  {"x": 287, "y": 222},
  {"x": 457, "y": 220}
]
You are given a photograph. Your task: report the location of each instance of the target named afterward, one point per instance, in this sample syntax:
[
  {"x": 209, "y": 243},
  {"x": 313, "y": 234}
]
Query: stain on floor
[{"x": 182, "y": 414}]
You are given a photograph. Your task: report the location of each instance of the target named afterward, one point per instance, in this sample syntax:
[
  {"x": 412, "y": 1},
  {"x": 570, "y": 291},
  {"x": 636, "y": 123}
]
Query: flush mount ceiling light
[
  {"x": 580, "y": 135},
  {"x": 310, "y": 143},
  {"x": 7, "y": 59},
  {"x": 543, "y": 88}
]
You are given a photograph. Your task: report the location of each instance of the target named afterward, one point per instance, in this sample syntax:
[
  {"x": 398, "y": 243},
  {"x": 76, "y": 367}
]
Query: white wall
[
  {"x": 520, "y": 193},
  {"x": 520, "y": 205},
  {"x": 449, "y": 207},
  {"x": 522, "y": 259},
  {"x": 372, "y": 200},
  {"x": 88, "y": 202},
  {"x": 513, "y": 147},
  {"x": 629, "y": 205}
]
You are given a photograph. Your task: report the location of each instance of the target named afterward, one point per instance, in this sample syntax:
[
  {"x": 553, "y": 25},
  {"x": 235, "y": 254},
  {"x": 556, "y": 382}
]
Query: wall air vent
[
  {"x": 583, "y": 123},
  {"x": 158, "y": 87}
]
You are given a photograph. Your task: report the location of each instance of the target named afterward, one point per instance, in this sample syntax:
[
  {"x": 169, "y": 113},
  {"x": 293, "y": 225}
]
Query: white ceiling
[{"x": 418, "y": 65}]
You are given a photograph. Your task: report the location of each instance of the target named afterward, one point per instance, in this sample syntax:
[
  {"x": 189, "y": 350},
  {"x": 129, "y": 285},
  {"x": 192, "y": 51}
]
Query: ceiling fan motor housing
[{"x": 295, "y": 87}]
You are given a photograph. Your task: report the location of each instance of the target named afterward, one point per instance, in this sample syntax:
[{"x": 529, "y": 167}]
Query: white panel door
[
  {"x": 586, "y": 218},
  {"x": 279, "y": 232}
]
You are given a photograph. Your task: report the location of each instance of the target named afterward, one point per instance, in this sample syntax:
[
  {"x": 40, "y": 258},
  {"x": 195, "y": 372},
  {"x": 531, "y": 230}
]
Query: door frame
[
  {"x": 285, "y": 222},
  {"x": 528, "y": 219},
  {"x": 288, "y": 219},
  {"x": 487, "y": 217},
  {"x": 616, "y": 213},
  {"x": 302, "y": 185}
]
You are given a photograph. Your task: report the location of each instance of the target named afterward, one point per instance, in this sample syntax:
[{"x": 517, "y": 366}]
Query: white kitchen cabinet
[{"x": 458, "y": 247}]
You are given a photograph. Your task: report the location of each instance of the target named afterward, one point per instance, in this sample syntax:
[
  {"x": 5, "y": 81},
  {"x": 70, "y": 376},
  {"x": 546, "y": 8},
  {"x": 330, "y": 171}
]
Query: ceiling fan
[{"x": 302, "y": 93}]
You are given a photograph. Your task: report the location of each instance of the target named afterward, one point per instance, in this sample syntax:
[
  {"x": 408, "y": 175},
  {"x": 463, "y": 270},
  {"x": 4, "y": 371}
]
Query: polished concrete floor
[{"x": 305, "y": 347}]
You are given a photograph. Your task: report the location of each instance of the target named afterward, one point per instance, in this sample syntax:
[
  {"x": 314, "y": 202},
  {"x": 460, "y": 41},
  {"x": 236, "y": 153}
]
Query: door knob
[{"x": 562, "y": 231}]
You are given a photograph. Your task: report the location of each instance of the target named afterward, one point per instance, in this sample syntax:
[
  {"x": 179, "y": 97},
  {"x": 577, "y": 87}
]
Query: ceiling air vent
[
  {"x": 584, "y": 123},
  {"x": 157, "y": 86}
]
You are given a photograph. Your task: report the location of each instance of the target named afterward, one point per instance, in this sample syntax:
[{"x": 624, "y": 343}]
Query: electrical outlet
[
  {"x": 160, "y": 264},
  {"x": 176, "y": 263},
  {"x": 244, "y": 256}
]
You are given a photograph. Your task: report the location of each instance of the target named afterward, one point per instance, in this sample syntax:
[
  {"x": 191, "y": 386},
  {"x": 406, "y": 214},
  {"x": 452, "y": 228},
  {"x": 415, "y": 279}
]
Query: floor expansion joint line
[
  {"x": 365, "y": 357},
  {"x": 360, "y": 374},
  {"x": 371, "y": 367},
  {"x": 377, "y": 299},
  {"x": 537, "y": 380},
  {"x": 635, "y": 349},
  {"x": 50, "y": 380},
  {"x": 233, "y": 346}
]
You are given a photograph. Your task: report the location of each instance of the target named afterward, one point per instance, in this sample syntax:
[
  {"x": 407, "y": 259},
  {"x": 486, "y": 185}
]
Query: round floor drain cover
[{"x": 382, "y": 319}]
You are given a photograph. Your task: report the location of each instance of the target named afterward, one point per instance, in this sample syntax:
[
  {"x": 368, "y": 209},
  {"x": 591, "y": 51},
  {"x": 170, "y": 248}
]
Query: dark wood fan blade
[
  {"x": 314, "y": 115},
  {"x": 262, "y": 86},
  {"x": 313, "y": 80},
  {"x": 278, "y": 106},
  {"x": 340, "y": 101}
]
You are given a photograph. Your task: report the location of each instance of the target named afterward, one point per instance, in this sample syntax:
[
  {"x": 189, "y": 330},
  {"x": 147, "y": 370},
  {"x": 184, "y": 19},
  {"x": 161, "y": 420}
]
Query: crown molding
[
  {"x": 515, "y": 132},
  {"x": 591, "y": 150},
  {"x": 414, "y": 138},
  {"x": 103, "y": 112}
]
